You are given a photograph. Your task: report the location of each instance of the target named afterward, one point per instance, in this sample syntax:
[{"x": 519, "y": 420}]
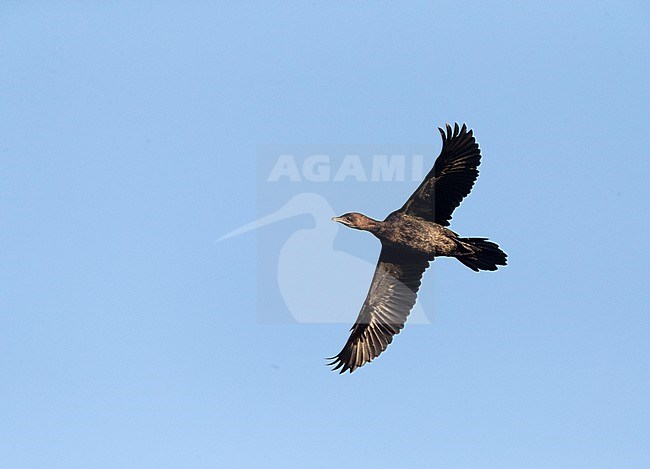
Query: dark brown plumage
[{"x": 411, "y": 238}]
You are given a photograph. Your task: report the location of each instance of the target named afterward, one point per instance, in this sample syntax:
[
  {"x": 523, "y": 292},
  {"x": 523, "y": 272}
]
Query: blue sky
[{"x": 129, "y": 337}]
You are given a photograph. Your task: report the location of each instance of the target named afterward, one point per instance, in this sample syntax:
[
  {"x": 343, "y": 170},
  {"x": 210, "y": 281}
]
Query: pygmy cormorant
[{"x": 411, "y": 238}]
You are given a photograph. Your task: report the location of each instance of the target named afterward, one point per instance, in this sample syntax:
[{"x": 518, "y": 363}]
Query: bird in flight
[{"x": 411, "y": 238}]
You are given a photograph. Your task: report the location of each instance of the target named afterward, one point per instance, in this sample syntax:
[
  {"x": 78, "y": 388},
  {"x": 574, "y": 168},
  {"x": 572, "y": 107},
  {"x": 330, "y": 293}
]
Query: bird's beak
[{"x": 338, "y": 219}]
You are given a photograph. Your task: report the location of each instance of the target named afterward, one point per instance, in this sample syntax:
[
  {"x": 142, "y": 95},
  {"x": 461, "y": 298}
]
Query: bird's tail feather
[{"x": 485, "y": 255}]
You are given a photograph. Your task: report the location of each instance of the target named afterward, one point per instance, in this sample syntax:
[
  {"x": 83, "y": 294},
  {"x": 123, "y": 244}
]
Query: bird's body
[
  {"x": 415, "y": 236},
  {"x": 420, "y": 237},
  {"x": 411, "y": 238}
]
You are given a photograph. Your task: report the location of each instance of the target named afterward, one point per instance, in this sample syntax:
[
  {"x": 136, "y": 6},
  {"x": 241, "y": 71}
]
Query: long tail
[{"x": 485, "y": 255}]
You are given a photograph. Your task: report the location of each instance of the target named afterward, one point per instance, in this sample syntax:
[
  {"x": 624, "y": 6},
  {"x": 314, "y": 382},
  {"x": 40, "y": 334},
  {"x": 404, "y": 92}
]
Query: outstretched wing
[
  {"x": 450, "y": 180},
  {"x": 390, "y": 299}
]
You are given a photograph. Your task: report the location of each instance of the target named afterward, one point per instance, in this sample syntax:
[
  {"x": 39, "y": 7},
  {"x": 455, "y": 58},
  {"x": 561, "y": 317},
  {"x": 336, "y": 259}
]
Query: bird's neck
[{"x": 370, "y": 225}]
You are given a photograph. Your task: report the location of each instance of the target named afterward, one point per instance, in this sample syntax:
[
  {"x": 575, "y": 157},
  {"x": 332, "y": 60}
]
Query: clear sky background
[{"x": 129, "y": 338}]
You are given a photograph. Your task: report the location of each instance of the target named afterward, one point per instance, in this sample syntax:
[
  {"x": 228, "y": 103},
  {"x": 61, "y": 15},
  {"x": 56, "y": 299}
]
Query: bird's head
[{"x": 358, "y": 221}]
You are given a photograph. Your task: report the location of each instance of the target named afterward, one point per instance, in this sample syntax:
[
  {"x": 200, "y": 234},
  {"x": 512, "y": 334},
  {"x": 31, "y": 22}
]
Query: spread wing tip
[
  {"x": 350, "y": 359},
  {"x": 455, "y": 132},
  {"x": 338, "y": 362}
]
